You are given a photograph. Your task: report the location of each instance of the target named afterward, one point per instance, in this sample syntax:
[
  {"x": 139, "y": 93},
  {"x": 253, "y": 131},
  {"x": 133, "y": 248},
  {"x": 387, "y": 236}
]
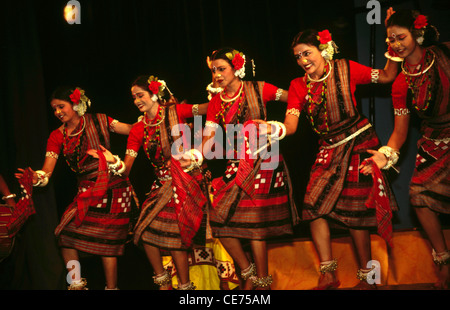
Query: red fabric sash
[
  {"x": 94, "y": 194},
  {"x": 378, "y": 199},
  {"x": 191, "y": 201}
]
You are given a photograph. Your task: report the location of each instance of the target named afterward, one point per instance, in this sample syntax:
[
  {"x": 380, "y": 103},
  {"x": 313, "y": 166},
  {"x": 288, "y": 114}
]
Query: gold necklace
[
  {"x": 81, "y": 130},
  {"x": 235, "y": 97},
  {"x": 321, "y": 79}
]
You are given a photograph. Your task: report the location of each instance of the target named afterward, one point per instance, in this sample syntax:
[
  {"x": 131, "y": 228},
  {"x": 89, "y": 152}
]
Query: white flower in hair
[
  {"x": 327, "y": 45},
  {"x": 238, "y": 60}
]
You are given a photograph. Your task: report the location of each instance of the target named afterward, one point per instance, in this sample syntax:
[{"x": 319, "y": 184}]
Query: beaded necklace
[
  {"x": 77, "y": 149},
  {"x": 416, "y": 80},
  {"x": 152, "y": 141},
  {"x": 225, "y": 105},
  {"x": 322, "y": 101}
]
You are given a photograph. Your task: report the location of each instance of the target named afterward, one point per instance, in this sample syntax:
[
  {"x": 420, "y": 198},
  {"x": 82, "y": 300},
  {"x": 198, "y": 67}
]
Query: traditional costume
[
  {"x": 250, "y": 201},
  {"x": 173, "y": 211},
  {"x": 426, "y": 91},
  {"x": 98, "y": 219},
  {"x": 336, "y": 190}
]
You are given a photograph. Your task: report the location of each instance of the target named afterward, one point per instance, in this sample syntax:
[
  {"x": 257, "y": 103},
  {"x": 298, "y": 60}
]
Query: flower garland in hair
[
  {"x": 156, "y": 87},
  {"x": 80, "y": 101},
  {"x": 327, "y": 46},
  {"x": 238, "y": 60},
  {"x": 420, "y": 23}
]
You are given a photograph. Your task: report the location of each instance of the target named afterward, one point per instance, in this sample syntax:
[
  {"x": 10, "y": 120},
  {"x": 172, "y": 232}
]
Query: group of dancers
[{"x": 252, "y": 202}]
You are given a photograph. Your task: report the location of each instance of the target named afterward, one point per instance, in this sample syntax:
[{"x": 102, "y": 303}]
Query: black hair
[
  {"x": 406, "y": 18},
  {"x": 142, "y": 82},
  {"x": 63, "y": 93},
  {"x": 221, "y": 54},
  {"x": 308, "y": 36}
]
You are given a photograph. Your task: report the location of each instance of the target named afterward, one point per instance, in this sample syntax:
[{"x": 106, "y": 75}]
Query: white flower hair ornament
[
  {"x": 156, "y": 87},
  {"x": 80, "y": 101},
  {"x": 238, "y": 60},
  {"x": 327, "y": 46},
  {"x": 420, "y": 23}
]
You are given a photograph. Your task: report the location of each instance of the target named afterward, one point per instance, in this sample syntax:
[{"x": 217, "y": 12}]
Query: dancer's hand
[
  {"x": 263, "y": 130},
  {"x": 389, "y": 13},
  {"x": 108, "y": 155},
  {"x": 379, "y": 159},
  {"x": 21, "y": 172}
]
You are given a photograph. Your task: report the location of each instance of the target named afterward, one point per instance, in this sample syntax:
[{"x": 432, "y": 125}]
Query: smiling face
[
  {"x": 63, "y": 110},
  {"x": 310, "y": 59},
  {"x": 142, "y": 99},
  {"x": 402, "y": 41},
  {"x": 223, "y": 73}
]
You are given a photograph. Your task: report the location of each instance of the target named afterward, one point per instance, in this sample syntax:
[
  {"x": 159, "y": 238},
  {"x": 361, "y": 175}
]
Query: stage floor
[{"x": 294, "y": 264}]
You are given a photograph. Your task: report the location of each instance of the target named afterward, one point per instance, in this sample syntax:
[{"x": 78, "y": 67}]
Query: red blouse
[
  {"x": 136, "y": 137},
  {"x": 400, "y": 90},
  {"x": 215, "y": 105},
  {"x": 359, "y": 74},
  {"x": 56, "y": 139}
]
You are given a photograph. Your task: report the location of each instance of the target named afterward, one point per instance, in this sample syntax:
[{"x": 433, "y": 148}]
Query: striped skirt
[
  {"x": 105, "y": 227},
  {"x": 159, "y": 221},
  {"x": 337, "y": 190},
  {"x": 260, "y": 209},
  {"x": 430, "y": 183}
]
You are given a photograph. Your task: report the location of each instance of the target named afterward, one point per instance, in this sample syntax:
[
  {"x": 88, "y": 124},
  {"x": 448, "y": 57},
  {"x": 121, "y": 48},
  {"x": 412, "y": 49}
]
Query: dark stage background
[{"x": 120, "y": 40}]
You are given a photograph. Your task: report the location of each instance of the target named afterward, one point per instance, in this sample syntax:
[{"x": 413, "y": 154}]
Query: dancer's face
[
  {"x": 401, "y": 41},
  {"x": 142, "y": 99},
  {"x": 63, "y": 110},
  {"x": 309, "y": 58},
  {"x": 223, "y": 72}
]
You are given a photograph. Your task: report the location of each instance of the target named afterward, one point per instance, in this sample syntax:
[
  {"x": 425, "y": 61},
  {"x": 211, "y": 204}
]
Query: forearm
[
  {"x": 122, "y": 128},
  {"x": 291, "y": 124},
  {"x": 389, "y": 73},
  {"x": 400, "y": 133}
]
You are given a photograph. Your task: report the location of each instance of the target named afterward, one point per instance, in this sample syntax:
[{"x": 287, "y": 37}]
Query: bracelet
[
  {"x": 401, "y": 111},
  {"x": 391, "y": 155},
  {"x": 196, "y": 159},
  {"x": 42, "y": 178},
  {"x": 112, "y": 125},
  {"x": 278, "y": 94},
  {"x": 375, "y": 74},
  {"x": 195, "y": 109},
  {"x": 118, "y": 167},
  {"x": 280, "y": 132},
  {"x": 393, "y": 58},
  {"x": 293, "y": 111},
  {"x": 9, "y": 196}
]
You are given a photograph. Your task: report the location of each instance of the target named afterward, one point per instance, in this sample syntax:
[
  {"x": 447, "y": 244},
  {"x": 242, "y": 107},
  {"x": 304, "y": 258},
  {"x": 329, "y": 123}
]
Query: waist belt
[{"x": 352, "y": 136}]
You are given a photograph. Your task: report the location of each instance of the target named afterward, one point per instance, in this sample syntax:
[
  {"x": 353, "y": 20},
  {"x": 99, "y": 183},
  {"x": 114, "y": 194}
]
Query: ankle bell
[
  {"x": 328, "y": 266},
  {"x": 442, "y": 258}
]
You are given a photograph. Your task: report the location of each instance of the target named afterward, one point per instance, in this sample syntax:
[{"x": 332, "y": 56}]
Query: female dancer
[
  {"x": 93, "y": 222},
  {"x": 172, "y": 213},
  {"x": 251, "y": 202},
  {"x": 425, "y": 79},
  {"x": 336, "y": 193}
]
